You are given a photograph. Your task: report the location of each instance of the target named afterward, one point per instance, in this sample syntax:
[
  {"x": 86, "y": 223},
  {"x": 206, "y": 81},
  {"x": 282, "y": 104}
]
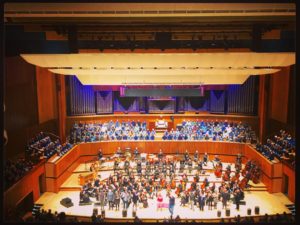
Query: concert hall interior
[{"x": 149, "y": 112}]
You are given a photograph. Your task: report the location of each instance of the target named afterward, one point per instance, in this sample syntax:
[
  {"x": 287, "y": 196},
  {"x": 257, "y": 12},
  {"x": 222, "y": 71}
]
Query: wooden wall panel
[
  {"x": 292, "y": 181},
  {"x": 20, "y": 102},
  {"x": 277, "y": 170},
  {"x": 46, "y": 94},
  {"x": 28, "y": 184},
  {"x": 62, "y": 108},
  {"x": 265, "y": 164},
  {"x": 276, "y": 185},
  {"x": 280, "y": 95},
  {"x": 262, "y": 107}
]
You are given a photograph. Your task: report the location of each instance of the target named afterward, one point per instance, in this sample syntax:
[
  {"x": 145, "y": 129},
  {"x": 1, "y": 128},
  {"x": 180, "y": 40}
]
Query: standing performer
[
  {"x": 196, "y": 156},
  {"x": 205, "y": 159},
  {"x": 100, "y": 155},
  {"x": 237, "y": 197},
  {"x": 171, "y": 205},
  {"x": 225, "y": 197},
  {"x": 201, "y": 201}
]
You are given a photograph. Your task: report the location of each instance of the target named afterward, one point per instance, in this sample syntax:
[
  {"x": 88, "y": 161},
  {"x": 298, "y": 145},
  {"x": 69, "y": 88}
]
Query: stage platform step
[
  {"x": 292, "y": 208},
  {"x": 70, "y": 188},
  {"x": 36, "y": 208}
]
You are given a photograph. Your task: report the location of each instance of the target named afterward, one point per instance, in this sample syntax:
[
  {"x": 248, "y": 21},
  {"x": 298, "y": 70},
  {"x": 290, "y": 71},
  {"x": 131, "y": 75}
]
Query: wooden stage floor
[
  {"x": 254, "y": 196},
  {"x": 268, "y": 203}
]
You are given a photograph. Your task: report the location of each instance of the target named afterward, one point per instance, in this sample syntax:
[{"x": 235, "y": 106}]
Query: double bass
[
  {"x": 226, "y": 176},
  {"x": 255, "y": 175},
  {"x": 243, "y": 183},
  {"x": 235, "y": 177}
]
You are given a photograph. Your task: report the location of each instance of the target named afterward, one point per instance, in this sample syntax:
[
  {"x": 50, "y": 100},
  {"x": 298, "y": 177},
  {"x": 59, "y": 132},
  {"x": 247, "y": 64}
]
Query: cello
[
  {"x": 218, "y": 171},
  {"x": 226, "y": 176},
  {"x": 243, "y": 183}
]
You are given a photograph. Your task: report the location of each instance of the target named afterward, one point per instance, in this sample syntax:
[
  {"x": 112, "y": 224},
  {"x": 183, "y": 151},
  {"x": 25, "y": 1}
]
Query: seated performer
[
  {"x": 205, "y": 159},
  {"x": 116, "y": 164},
  {"x": 136, "y": 152},
  {"x": 100, "y": 155},
  {"x": 119, "y": 152},
  {"x": 190, "y": 165},
  {"x": 200, "y": 167},
  {"x": 216, "y": 160},
  {"x": 160, "y": 154},
  {"x": 196, "y": 156},
  {"x": 186, "y": 155},
  {"x": 126, "y": 166}
]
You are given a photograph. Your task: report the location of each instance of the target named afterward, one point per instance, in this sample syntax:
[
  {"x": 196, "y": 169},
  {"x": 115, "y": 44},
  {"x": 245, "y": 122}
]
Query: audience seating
[
  {"x": 281, "y": 146},
  {"x": 92, "y": 132},
  {"x": 212, "y": 130},
  {"x": 38, "y": 148}
]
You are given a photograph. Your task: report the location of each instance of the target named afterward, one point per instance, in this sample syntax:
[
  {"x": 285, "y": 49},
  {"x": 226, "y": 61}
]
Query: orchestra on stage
[{"x": 136, "y": 178}]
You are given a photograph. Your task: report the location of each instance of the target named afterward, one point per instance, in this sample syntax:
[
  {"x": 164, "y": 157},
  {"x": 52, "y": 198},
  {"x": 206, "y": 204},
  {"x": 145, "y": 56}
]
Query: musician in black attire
[
  {"x": 205, "y": 159},
  {"x": 100, "y": 155},
  {"x": 190, "y": 165},
  {"x": 196, "y": 156},
  {"x": 201, "y": 201},
  {"x": 116, "y": 164},
  {"x": 181, "y": 168},
  {"x": 139, "y": 167},
  {"x": 238, "y": 162},
  {"x": 160, "y": 154},
  {"x": 186, "y": 155},
  {"x": 200, "y": 167},
  {"x": 225, "y": 198},
  {"x": 237, "y": 197},
  {"x": 126, "y": 166},
  {"x": 136, "y": 152},
  {"x": 209, "y": 201}
]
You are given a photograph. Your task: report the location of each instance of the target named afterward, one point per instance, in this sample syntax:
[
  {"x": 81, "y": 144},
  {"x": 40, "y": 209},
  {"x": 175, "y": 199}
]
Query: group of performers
[{"x": 149, "y": 176}]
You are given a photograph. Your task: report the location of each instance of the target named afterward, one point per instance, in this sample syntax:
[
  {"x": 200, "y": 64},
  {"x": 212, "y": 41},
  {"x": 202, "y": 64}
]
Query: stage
[
  {"x": 255, "y": 195},
  {"x": 268, "y": 203}
]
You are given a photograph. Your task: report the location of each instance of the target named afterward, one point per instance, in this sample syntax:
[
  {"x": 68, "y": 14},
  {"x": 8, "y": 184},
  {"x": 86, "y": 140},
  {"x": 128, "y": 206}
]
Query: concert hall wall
[
  {"x": 281, "y": 102},
  {"x": 24, "y": 116}
]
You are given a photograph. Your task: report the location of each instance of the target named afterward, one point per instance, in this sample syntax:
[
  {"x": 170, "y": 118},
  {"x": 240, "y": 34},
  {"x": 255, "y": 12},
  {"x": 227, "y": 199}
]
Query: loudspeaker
[
  {"x": 124, "y": 213},
  {"x": 133, "y": 213},
  {"x": 227, "y": 212},
  {"x": 249, "y": 212},
  {"x": 66, "y": 202},
  {"x": 256, "y": 210},
  {"x": 219, "y": 213},
  {"x": 103, "y": 213}
]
